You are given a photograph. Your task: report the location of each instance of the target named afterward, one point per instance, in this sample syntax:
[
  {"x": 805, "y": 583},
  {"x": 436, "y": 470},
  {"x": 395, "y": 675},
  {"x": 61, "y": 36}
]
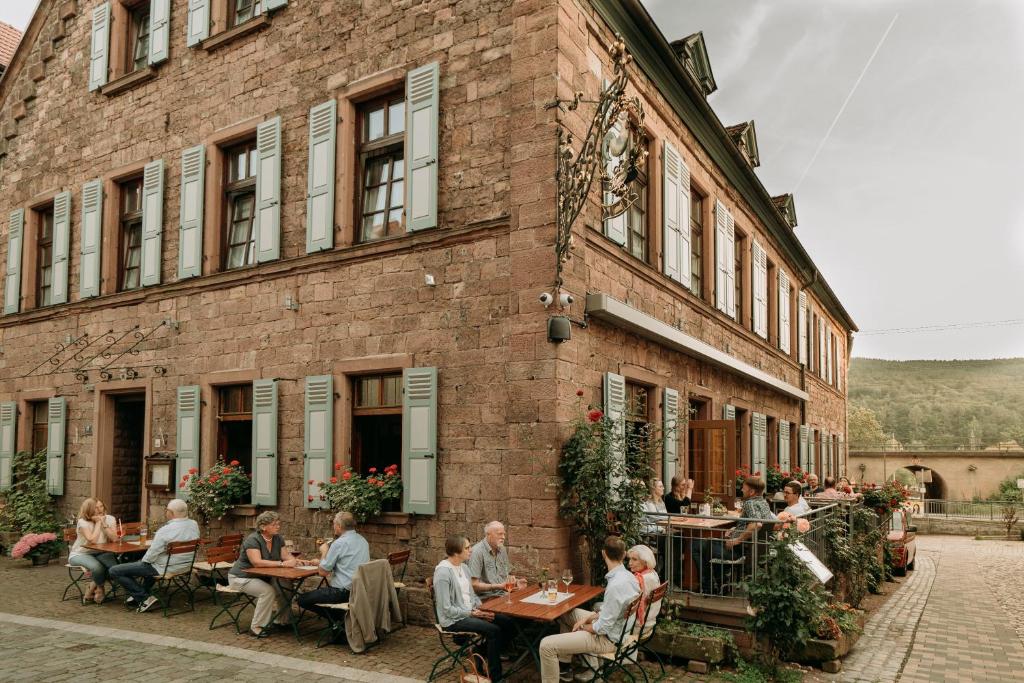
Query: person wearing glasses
[{"x": 795, "y": 503}]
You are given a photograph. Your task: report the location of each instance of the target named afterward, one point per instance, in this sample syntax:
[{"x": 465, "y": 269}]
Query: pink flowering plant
[
  {"x": 365, "y": 496},
  {"x": 218, "y": 489},
  {"x": 33, "y": 545}
]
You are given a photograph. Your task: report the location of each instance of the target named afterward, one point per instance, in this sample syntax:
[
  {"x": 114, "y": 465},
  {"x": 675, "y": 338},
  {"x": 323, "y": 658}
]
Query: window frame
[
  {"x": 137, "y": 19},
  {"x": 257, "y": 7},
  {"x": 697, "y": 251},
  {"x": 127, "y": 221},
  {"x": 390, "y": 145},
  {"x": 355, "y": 382},
  {"x": 44, "y": 257},
  {"x": 232, "y": 191},
  {"x": 739, "y": 272}
]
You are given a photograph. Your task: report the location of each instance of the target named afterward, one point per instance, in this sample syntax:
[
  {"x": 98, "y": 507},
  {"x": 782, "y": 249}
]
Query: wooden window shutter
[
  {"x": 828, "y": 353},
  {"x": 56, "y": 429},
  {"x": 152, "y": 221},
  {"x": 730, "y": 248},
  {"x": 419, "y": 440},
  {"x": 614, "y": 226},
  {"x": 811, "y": 452},
  {"x": 264, "y": 442},
  {"x": 92, "y": 222},
  {"x": 841, "y": 455},
  {"x": 675, "y": 215},
  {"x": 802, "y": 454},
  {"x": 12, "y": 282},
  {"x": 323, "y": 125},
  {"x": 801, "y": 323},
  {"x": 159, "y": 31},
  {"x": 190, "y": 231},
  {"x": 728, "y": 412},
  {"x": 318, "y": 442},
  {"x": 784, "y": 303},
  {"x": 723, "y": 261},
  {"x": 784, "y": 445},
  {"x": 198, "y": 22},
  {"x": 421, "y": 132},
  {"x": 760, "y": 272},
  {"x": 821, "y": 348},
  {"x": 267, "y": 223},
  {"x": 670, "y": 435},
  {"x": 187, "y": 438},
  {"x": 100, "y": 53},
  {"x": 61, "y": 247},
  {"x": 826, "y": 453},
  {"x": 272, "y": 5},
  {"x": 615, "y": 410},
  {"x": 8, "y": 431}
]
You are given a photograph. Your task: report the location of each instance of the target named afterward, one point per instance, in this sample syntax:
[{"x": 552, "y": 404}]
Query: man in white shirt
[{"x": 795, "y": 503}]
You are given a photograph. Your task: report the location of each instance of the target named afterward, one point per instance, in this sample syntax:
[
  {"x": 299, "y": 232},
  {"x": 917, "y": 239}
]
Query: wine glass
[
  {"x": 567, "y": 579},
  {"x": 510, "y": 585},
  {"x": 521, "y": 583}
]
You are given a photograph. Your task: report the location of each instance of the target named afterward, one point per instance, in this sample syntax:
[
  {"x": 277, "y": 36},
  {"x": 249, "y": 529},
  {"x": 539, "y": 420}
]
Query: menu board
[{"x": 820, "y": 571}]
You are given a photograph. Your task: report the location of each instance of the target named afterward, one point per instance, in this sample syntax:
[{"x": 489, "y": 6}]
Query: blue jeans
[
  {"x": 496, "y": 633},
  {"x": 97, "y": 564},
  {"x": 705, "y": 550},
  {"x": 126, "y": 575}
]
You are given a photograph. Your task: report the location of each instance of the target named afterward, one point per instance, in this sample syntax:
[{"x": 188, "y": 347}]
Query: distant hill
[{"x": 941, "y": 404}]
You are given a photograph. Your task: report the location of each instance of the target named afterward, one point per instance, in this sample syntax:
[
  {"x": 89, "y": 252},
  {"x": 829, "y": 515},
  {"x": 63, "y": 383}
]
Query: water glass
[
  {"x": 143, "y": 533},
  {"x": 552, "y": 591}
]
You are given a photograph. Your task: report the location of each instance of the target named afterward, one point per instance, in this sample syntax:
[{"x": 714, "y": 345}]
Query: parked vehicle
[{"x": 902, "y": 537}]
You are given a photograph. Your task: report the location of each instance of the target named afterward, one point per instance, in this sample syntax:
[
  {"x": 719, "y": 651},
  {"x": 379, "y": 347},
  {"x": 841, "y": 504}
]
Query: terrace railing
[{"x": 966, "y": 509}]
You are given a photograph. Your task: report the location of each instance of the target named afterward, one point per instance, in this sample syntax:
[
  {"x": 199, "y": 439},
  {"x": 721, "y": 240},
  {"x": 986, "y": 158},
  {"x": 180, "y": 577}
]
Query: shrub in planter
[
  {"x": 215, "y": 491},
  {"x": 889, "y": 496},
  {"x": 29, "y": 508},
  {"x": 363, "y": 497},
  {"x": 37, "y": 547}
]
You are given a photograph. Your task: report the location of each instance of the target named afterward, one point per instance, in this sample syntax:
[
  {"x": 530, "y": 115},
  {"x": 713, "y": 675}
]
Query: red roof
[{"x": 9, "y": 39}]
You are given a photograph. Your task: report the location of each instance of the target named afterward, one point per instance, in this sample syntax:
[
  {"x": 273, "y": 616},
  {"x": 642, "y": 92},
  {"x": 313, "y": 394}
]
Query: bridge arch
[{"x": 934, "y": 489}]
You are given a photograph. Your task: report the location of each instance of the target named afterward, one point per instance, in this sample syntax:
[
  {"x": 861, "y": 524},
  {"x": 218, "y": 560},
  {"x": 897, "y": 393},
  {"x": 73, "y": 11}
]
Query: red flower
[
  {"x": 234, "y": 463},
  {"x": 310, "y": 499},
  {"x": 373, "y": 470},
  {"x": 337, "y": 466},
  {"x": 594, "y": 415},
  {"x": 214, "y": 480},
  {"x": 346, "y": 476},
  {"x": 224, "y": 483},
  {"x": 579, "y": 392},
  {"x": 334, "y": 480},
  {"x": 380, "y": 482},
  {"x": 371, "y": 480},
  {"x": 193, "y": 470},
  {"x": 181, "y": 485},
  {"x": 310, "y": 482},
  {"x": 392, "y": 473}
]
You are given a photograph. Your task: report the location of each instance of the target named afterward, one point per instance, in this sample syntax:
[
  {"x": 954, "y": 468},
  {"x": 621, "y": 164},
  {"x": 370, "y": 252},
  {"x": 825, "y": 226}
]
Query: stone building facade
[{"x": 313, "y": 235}]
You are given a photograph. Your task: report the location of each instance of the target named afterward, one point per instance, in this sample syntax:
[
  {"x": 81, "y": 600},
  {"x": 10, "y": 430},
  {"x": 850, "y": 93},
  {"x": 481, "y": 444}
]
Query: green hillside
[{"x": 937, "y": 404}]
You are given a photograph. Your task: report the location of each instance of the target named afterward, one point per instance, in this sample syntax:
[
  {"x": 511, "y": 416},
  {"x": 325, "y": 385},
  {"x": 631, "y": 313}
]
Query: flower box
[
  {"x": 683, "y": 646},
  {"x": 818, "y": 652},
  {"x": 242, "y": 510}
]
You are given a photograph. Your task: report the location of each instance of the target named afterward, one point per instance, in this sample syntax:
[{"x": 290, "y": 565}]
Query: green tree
[{"x": 864, "y": 429}]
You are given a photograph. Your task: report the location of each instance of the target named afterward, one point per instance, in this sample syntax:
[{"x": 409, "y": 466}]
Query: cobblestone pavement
[{"x": 955, "y": 619}]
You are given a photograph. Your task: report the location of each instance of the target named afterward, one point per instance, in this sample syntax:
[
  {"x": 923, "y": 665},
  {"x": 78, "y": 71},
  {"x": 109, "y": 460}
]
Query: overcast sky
[{"x": 913, "y": 208}]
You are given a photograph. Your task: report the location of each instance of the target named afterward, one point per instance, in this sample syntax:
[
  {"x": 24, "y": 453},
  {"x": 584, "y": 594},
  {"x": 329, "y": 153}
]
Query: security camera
[
  {"x": 546, "y": 299},
  {"x": 565, "y": 299}
]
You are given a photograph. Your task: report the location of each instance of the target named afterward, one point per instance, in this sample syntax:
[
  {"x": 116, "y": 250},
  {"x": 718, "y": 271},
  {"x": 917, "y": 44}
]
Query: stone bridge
[{"x": 955, "y": 475}]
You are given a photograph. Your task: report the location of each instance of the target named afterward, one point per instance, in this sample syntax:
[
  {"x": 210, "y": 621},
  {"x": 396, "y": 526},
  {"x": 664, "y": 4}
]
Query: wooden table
[
  {"x": 697, "y": 523},
  {"x": 119, "y": 547},
  {"x": 545, "y": 615},
  {"x": 289, "y": 580}
]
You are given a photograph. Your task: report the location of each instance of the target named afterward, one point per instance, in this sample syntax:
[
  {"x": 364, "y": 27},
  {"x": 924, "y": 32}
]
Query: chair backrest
[
  {"x": 429, "y": 581},
  {"x": 131, "y": 528},
  {"x": 222, "y": 553},
  {"x": 628, "y": 620},
  {"x": 400, "y": 557},
  {"x": 70, "y": 534},
  {"x": 230, "y": 539}
]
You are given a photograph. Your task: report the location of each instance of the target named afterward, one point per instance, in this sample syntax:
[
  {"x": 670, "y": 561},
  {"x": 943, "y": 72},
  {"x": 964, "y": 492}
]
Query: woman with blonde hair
[
  {"x": 641, "y": 562},
  {"x": 94, "y": 526}
]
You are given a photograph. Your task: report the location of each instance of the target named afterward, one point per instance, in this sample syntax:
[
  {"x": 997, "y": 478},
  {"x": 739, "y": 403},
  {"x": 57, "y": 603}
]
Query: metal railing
[{"x": 965, "y": 509}]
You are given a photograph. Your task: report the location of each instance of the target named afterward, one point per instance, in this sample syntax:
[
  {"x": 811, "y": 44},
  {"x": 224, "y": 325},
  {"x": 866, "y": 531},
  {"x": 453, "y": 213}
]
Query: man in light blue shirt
[
  {"x": 178, "y": 528},
  {"x": 338, "y": 564},
  {"x": 594, "y": 632}
]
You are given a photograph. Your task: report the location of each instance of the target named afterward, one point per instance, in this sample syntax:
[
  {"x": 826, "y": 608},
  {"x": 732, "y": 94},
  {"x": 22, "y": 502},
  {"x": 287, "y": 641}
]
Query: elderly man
[
  {"x": 338, "y": 563},
  {"x": 812, "y": 485},
  {"x": 795, "y": 503},
  {"x": 593, "y": 632},
  {"x": 488, "y": 563},
  {"x": 156, "y": 560}
]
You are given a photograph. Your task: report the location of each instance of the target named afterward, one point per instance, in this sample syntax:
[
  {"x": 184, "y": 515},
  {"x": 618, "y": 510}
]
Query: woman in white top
[
  {"x": 94, "y": 526},
  {"x": 655, "y": 503},
  {"x": 642, "y": 563}
]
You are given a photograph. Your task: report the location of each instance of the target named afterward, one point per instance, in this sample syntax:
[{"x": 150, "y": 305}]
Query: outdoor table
[
  {"x": 119, "y": 548},
  {"x": 543, "y": 614},
  {"x": 289, "y": 580},
  {"x": 690, "y": 527}
]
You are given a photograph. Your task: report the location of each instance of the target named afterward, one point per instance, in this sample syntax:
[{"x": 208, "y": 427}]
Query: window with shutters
[
  {"x": 44, "y": 256},
  {"x": 696, "y": 242},
  {"x": 638, "y": 418},
  {"x": 129, "y": 266},
  {"x": 241, "y": 11},
  {"x": 381, "y": 155},
  {"x": 138, "y": 38},
  {"x": 239, "y": 201},
  {"x": 376, "y": 422},
  {"x": 738, "y": 279},
  {"x": 234, "y": 424},
  {"x": 38, "y": 411},
  {"x": 630, "y": 226}
]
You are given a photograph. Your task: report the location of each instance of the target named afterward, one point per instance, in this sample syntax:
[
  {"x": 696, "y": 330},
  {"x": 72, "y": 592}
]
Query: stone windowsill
[
  {"x": 128, "y": 81},
  {"x": 391, "y": 519},
  {"x": 225, "y": 37},
  {"x": 242, "y": 511}
]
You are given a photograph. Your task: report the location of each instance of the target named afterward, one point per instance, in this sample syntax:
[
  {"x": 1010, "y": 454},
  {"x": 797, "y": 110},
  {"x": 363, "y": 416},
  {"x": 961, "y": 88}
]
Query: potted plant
[
  {"x": 215, "y": 491},
  {"x": 363, "y": 497},
  {"x": 39, "y": 548}
]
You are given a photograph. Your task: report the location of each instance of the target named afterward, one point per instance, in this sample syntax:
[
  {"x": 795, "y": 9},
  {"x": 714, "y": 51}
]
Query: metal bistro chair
[
  {"x": 171, "y": 583},
  {"x": 212, "y": 575},
  {"x": 399, "y": 561},
  {"x": 628, "y": 644},
  {"x": 648, "y": 630},
  {"x": 76, "y": 573},
  {"x": 230, "y": 595},
  {"x": 456, "y": 644}
]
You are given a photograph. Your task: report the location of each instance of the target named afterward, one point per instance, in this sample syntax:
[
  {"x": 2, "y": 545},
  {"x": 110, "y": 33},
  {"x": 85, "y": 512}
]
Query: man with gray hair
[
  {"x": 488, "y": 563},
  {"x": 157, "y": 560},
  {"x": 338, "y": 564}
]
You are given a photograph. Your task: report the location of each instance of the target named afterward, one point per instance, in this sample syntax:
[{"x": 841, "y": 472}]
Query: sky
[{"x": 911, "y": 208}]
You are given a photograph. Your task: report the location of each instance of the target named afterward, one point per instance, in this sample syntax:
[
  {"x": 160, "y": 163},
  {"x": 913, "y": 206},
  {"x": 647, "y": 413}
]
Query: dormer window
[
  {"x": 693, "y": 53},
  {"x": 784, "y": 203},
  {"x": 745, "y": 138}
]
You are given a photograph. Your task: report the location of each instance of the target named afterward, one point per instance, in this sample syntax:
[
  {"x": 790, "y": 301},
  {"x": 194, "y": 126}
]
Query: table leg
[
  {"x": 290, "y": 589},
  {"x": 531, "y": 646}
]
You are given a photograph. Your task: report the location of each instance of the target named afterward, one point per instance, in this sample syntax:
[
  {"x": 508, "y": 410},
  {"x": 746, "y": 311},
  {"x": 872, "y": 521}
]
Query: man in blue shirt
[
  {"x": 338, "y": 564},
  {"x": 594, "y": 632}
]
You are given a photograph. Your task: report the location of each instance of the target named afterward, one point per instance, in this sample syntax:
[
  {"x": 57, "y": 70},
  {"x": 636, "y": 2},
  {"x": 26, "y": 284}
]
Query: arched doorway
[{"x": 934, "y": 486}]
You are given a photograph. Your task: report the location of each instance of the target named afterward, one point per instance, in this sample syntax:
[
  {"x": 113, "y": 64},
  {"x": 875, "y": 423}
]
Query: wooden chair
[
  {"x": 604, "y": 665},
  {"x": 76, "y": 573},
  {"x": 456, "y": 644},
  {"x": 399, "y": 561},
  {"x": 214, "y": 573},
  {"x": 648, "y": 630},
  {"x": 230, "y": 540},
  {"x": 172, "y": 582},
  {"x": 230, "y": 595}
]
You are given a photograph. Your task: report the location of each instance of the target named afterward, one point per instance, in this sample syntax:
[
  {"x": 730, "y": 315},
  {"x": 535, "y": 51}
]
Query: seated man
[
  {"x": 338, "y": 563},
  {"x": 593, "y": 632},
  {"x": 704, "y": 550},
  {"x": 488, "y": 564},
  {"x": 178, "y": 528},
  {"x": 795, "y": 503},
  {"x": 812, "y": 485}
]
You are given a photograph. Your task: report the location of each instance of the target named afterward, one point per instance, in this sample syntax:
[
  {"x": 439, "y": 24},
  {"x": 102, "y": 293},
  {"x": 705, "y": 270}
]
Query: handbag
[{"x": 474, "y": 675}]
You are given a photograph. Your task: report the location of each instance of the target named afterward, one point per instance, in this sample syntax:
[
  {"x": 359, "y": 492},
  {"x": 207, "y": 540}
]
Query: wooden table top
[
  {"x": 526, "y": 610},
  {"x": 684, "y": 522},
  {"x": 119, "y": 547},
  {"x": 289, "y": 573}
]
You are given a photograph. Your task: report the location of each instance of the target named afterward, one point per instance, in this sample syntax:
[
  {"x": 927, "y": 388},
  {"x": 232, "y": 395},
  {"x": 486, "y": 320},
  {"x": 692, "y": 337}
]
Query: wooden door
[{"x": 712, "y": 459}]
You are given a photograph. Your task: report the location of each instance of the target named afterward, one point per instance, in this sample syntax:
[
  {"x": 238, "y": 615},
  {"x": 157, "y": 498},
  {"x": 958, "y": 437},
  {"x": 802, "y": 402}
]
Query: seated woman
[
  {"x": 653, "y": 505},
  {"x": 641, "y": 561},
  {"x": 263, "y": 548},
  {"x": 678, "y": 499},
  {"x": 94, "y": 526},
  {"x": 458, "y": 605}
]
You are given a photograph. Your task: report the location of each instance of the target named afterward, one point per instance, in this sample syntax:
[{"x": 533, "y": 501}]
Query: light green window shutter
[
  {"x": 268, "y": 191},
  {"x": 271, "y": 5},
  {"x": 8, "y": 429},
  {"x": 826, "y": 453},
  {"x": 92, "y": 220},
  {"x": 198, "y": 22},
  {"x": 12, "y": 283},
  {"x": 61, "y": 248},
  {"x": 675, "y": 216},
  {"x": 318, "y": 443},
  {"x": 190, "y": 232},
  {"x": 759, "y": 270},
  {"x": 784, "y": 445},
  {"x": 759, "y": 444},
  {"x": 821, "y": 348},
  {"x": 784, "y": 303},
  {"x": 421, "y": 132},
  {"x": 614, "y": 226},
  {"x": 615, "y": 410},
  {"x": 811, "y": 452},
  {"x": 804, "y": 434},
  {"x": 672, "y": 426},
  {"x": 159, "y": 30},
  {"x": 801, "y": 323},
  {"x": 419, "y": 440},
  {"x": 152, "y": 221},
  {"x": 187, "y": 434},
  {"x": 728, "y": 412},
  {"x": 264, "y": 442},
  {"x": 841, "y": 455},
  {"x": 725, "y": 260},
  {"x": 100, "y": 53},
  {"x": 56, "y": 428},
  {"x": 323, "y": 126}
]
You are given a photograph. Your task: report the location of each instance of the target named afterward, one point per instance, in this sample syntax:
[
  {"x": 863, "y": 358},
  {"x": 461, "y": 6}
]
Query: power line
[{"x": 941, "y": 327}]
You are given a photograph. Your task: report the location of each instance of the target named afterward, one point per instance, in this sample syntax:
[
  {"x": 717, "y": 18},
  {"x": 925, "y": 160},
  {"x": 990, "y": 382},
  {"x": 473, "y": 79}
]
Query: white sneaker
[
  {"x": 585, "y": 676},
  {"x": 149, "y": 604},
  {"x": 565, "y": 675}
]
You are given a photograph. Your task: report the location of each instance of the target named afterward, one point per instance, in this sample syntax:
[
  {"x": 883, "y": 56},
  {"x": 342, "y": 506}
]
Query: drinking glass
[
  {"x": 143, "y": 533},
  {"x": 567, "y": 579},
  {"x": 552, "y": 590},
  {"x": 521, "y": 583},
  {"x": 510, "y": 585}
]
